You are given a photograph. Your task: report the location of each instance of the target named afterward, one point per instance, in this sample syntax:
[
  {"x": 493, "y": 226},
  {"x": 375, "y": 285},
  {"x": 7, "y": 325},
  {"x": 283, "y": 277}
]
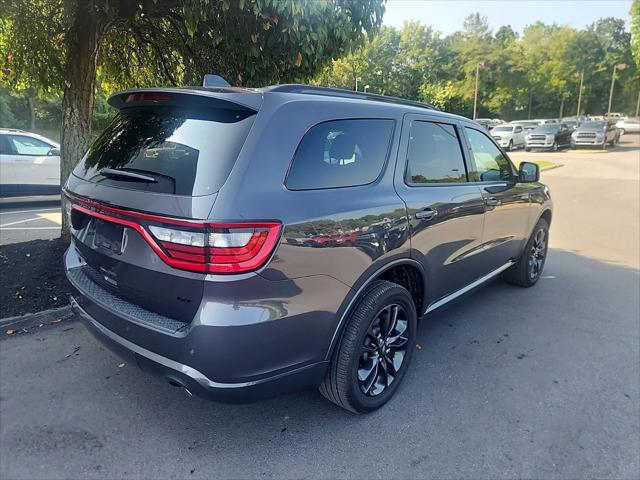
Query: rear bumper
[
  {"x": 251, "y": 338},
  {"x": 195, "y": 382}
]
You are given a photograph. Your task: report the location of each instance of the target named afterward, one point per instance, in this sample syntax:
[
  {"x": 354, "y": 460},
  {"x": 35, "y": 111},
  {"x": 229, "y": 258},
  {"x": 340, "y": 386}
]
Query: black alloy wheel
[
  {"x": 383, "y": 350},
  {"x": 537, "y": 254}
]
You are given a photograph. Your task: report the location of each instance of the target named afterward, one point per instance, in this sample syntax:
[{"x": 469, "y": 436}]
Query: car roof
[
  {"x": 252, "y": 98},
  {"x": 7, "y": 131}
]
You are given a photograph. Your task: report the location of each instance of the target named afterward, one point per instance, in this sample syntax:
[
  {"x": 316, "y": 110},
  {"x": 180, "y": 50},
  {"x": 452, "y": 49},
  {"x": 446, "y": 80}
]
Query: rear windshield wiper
[{"x": 136, "y": 177}]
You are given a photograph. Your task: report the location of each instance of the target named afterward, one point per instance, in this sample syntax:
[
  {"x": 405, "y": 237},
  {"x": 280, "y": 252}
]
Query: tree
[
  {"x": 635, "y": 31},
  {"x": 62, "y": 44}
]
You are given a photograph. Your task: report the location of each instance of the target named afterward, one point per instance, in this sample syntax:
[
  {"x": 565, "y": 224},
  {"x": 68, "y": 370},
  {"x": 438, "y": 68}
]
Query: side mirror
[
  {"x": 528, "y": 172},
  {"x": 54, "y": 152}
]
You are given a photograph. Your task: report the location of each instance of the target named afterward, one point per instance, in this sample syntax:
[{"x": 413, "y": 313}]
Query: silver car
[{"x": 630, "y": 125}]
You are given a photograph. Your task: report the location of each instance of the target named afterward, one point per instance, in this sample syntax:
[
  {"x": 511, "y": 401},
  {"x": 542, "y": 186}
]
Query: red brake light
[
  {"x": 219, "y": 248},
  {"x": 147, "y": 97}
]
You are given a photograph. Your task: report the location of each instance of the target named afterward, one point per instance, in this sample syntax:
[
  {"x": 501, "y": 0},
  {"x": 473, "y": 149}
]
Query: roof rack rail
[{"x": 339, "y": 92}]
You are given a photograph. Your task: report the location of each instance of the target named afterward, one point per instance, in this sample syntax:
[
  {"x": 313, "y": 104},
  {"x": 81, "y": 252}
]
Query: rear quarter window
[{"x": 340, "y": 153}]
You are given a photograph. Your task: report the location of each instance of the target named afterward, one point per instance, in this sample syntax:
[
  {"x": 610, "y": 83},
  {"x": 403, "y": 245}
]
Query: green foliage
[
  {"x": 635, "y": 31},
  {"x": 536, "y": 74},
  {"x": 170, "y": 42}
]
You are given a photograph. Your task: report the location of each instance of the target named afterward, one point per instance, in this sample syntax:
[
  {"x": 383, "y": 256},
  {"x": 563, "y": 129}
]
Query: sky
[{"x": 448, "y": 16}]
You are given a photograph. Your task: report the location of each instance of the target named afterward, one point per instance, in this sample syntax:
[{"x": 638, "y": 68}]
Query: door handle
[
  {"x": 426, "y": 214},
  {"x": 491, "y": 202}
]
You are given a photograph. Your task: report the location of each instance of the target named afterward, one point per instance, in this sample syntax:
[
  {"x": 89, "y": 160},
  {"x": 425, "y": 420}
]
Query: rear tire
[
  {"x": 373, "y": 355},
  {"x": 527, "y": 270},
  {"x": 526, "y": 149}
]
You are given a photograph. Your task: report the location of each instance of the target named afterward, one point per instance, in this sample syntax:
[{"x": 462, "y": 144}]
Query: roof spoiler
[{"x": 197, "y": 98}]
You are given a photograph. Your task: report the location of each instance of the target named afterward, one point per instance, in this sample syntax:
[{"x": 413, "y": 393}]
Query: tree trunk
[
  {"x": 32, "y": 110},
  {"x": 83, "y": 42}
]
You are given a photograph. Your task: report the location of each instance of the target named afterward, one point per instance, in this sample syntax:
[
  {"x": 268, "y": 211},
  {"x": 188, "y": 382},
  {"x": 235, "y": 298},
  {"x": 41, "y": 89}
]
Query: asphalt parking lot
[
  {"x": 508, "y": 383},
  {"x": 29, "y": 218}
]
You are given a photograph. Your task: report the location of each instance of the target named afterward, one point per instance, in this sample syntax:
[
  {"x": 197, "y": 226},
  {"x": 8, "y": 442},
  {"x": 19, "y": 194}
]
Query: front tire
[
  {"x": 375, "y": 350},
  {"x": 526, "y": 272},
  {"x": 510, "y": 146},
  {"x": 554, "y": 147}
]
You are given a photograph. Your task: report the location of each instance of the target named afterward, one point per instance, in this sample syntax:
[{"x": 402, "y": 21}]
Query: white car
[
  {"x": 509, "y": 136},
  {"x": 29, "y": 164},
  {"x": 630, "y": 125}
]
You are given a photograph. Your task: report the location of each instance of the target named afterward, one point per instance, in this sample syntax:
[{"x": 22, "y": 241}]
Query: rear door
[
  {"x": 507, "y": 201},
  {"x": 518, "y": 135},
  {"x": 8, "y": 184},
  {"x": 153, "y": 171},
  {"x": 445, "y": 211}
]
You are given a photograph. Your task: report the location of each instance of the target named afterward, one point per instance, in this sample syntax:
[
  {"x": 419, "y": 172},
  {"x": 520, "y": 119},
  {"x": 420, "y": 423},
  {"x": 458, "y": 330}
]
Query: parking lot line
[
  {"x": 55, "y": 217},
  {"x": 20, "y": 221},
  {"x": 30, "y": 228},
  {"x": 29, "y": 211}
]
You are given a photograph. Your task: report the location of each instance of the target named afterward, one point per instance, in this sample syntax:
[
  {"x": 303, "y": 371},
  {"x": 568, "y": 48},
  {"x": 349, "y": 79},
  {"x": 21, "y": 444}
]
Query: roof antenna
[{"x": 210, "y": 80}]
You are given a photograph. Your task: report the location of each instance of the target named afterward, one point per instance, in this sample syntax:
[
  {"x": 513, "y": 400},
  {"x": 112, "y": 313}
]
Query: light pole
[
  {"x": 580, "y": 93},
  {"x": 366, "y": 88},
  {"x": 619, "y": 66},
  {"x": 358, "y": 79},
  {"x": 479, "y": 65}
]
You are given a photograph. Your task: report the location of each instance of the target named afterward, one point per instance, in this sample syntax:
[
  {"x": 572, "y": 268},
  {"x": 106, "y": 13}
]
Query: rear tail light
[{"x": 220, "y": 248}]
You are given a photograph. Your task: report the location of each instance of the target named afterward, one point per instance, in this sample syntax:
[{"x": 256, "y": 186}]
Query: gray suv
[{"x": 240, "y": 243}]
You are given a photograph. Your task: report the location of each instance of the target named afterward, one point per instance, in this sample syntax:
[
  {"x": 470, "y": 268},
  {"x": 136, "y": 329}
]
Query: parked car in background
[
  {"x": 577, "y": 119},
  {"x": 613, "y": 116},
  {"x": 630, "y": 125},
  {"x": 487, "y": 123},
  {"x": 527, "y": 125},
  {"x": 595, "y": 134},
  {"x": 509, "y": 136},
  {"x": 29, "y": 164},
  {"x": 550, "y": 136},
  {"x": 182, "y": 264},
  {"x": 544, "y": 121}
]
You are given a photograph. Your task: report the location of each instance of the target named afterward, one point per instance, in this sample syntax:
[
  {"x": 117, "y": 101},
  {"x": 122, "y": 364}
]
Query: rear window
[
  {"x": 340, "y": 153},
  {"x": 185, "y": 152}
]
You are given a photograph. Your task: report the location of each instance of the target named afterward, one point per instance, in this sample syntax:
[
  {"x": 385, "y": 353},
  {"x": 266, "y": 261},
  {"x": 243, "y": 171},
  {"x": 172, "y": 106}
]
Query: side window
[
  {"x": 518, "y": 129},
  {"x": 491, "y": 164},
  {"x": 29, "y": 146},
  {"x": 340, "y": 153},
  {"x": 434, "y": 154},
  {"x": 4, "y": 146}
]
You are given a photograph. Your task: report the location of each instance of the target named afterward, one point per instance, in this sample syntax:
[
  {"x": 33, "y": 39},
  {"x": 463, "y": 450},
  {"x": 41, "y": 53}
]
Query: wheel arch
[{"x": 405, "y": 272}]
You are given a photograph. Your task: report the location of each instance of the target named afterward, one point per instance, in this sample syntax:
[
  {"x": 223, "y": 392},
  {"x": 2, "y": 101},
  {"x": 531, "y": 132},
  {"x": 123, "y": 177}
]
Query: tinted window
[
  {"x": 28, "y": 146},
  {"x": 491, "y": 164},
  {"x": 340, "y": 153},
  {"x": 186, "y": 152},
  {"x": 4, "y": 145},
  {"x": 434, "y": 154}
]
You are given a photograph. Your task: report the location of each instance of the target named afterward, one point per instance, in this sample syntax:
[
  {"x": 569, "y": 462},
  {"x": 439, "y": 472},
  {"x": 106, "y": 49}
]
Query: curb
[{"x": 24, "y": 322}]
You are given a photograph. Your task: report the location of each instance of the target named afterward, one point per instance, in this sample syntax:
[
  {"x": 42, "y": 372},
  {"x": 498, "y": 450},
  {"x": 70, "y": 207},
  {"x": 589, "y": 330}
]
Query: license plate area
[{"x": 108, "y": 235}]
